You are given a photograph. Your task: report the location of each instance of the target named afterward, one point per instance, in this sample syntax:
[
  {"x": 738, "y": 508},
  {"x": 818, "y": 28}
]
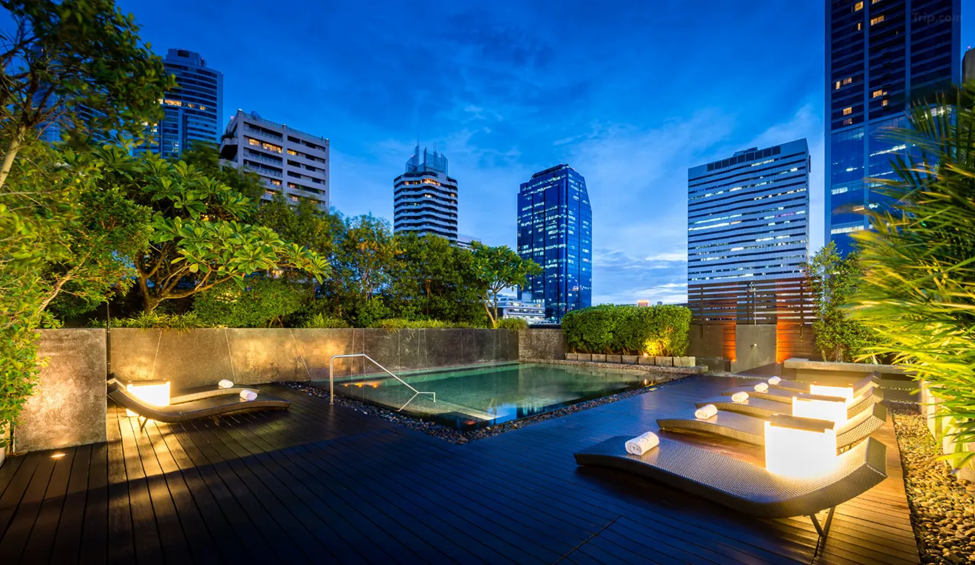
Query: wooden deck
[{"x": 329, "y": 484}]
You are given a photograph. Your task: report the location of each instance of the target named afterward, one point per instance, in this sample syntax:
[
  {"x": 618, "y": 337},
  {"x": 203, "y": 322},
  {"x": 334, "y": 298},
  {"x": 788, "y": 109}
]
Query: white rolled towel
[
  {"x": 642, "y": 444},
  {"x": 774, "y": 381},
  {"x": 705, "y": 412},
  {"x": 739, "y": 397},
  {"x": 225, "y": 383},
  {"x": 761, "y": 387},
  {"x": 248, "y": 395}
]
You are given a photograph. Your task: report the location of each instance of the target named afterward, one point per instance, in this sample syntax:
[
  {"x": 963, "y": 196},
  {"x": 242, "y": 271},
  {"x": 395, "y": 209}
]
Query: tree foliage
[
  {"x": 499, "y": 268},
  {"x": 435, "y": 280},
  {"x": 918, "y": 293},
  {"x": 79, "y": 64},
  {"x": 263, "y": 303},
  {"x": 833, "y": 281}
]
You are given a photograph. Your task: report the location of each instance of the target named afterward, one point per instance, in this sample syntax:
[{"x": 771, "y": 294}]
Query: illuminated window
[
  {"x": 848, "y": 122},
  {"x": 883, "y": 102},
  {"x": 874, "y": 1},
  {"x": 877, "y": 20},
  {"x": 859, "y": 26},
  {"x": 858, "y": 6},
  {"x": 847, "y": 111},
  {"x": 292, "y": 152},
  {"x": 847, "y": 80},
  {"x": 837, "y": 85},
  {"x": 877, "y": 93}
]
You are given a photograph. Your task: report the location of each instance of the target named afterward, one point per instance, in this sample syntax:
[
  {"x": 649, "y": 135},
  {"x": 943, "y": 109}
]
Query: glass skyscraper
[
  {"x": 881, "y": 55},
  {"x": 191, "y": 111},
  {"x": 555, "y": 231},
  {"x": 747, "y": 224}
]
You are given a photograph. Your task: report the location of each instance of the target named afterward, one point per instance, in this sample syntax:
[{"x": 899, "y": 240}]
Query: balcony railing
[{"x": 263, "y": 171}]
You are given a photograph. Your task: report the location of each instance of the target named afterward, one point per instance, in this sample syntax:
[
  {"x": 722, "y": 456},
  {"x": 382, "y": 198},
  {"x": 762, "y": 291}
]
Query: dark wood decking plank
[
  {"x": 94, "y": 539},
  {"x": 67, "y": 543},
  {"x": 146, "y": 534},
  {"x": 350, "y": 543},
  {"x": 15, "y": 538},
  {"x": 121, "y": 543},
  {"x": 17, "y": 482}
]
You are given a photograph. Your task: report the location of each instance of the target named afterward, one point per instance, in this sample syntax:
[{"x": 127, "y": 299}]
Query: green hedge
[{"x": 628, "y": 330}]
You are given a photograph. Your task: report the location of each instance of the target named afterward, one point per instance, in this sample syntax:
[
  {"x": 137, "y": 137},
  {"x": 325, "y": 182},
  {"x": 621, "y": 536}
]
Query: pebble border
[
  {"x": 942, "y": 505},
  {"x": 699, "y": 370},
  {"x": 457, "y": 437}
]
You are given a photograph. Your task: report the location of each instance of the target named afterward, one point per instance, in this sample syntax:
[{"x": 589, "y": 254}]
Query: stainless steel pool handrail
[{"x": 331, "y": 379}]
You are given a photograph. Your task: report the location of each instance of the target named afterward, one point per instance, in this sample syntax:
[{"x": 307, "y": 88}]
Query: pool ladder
[{"x": 331, "y": 379}]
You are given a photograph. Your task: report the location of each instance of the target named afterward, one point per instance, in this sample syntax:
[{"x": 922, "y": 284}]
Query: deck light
[
  {"x": 844, "y": 392},
  {"x": 57, "y": 456},
  {"x": 799, "y": 447},
  {"x": 819, "y": 407},
  {"x": 152, "y": 392}
]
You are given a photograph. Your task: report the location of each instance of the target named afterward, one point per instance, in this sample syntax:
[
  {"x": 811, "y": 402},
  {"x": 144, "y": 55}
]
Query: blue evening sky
[{"x": 630, "y": 94}]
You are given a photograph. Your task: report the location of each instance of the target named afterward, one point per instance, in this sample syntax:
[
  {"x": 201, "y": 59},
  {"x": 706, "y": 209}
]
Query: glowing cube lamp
[
  {"x": 799, "y": 447},
  {"x": 150, "y": 392},
  {"x": 830, "y": 408}
]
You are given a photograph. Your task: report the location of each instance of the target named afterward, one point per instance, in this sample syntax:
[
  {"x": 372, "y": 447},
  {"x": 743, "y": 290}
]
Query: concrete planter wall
[
  {"x": 930, "y": 407},
  {"x": 633, "y": 359}
]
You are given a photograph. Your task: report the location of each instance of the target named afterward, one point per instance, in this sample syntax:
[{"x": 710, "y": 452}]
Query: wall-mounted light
[
  {"x": 150, "y": 392},
  {"x": 799, "y": 447}
]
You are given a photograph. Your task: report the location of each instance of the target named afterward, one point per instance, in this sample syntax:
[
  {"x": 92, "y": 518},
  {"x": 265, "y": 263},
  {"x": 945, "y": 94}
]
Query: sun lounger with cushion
[
  {"x": 193, "y": 406},
  {"x": 744, "y": 487},
  {"x": 785, "y": 394},
  {"x": 764, "y": 408},
  {"x": 751, "y": 429}
]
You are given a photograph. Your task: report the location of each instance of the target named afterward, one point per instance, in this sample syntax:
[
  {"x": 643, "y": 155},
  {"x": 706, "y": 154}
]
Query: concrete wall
[
  {"x": 541, "y": 344},
  {"x": 254, "y": 356},
  {"x": 754, "y": 346},
  {"x": 930, "y": 408},
  {"x": 68, "y": 406}
]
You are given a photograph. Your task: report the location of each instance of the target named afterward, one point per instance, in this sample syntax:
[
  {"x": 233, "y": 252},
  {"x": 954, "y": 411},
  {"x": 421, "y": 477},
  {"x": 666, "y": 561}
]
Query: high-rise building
[
  {"x": 747, "y": 225},
  {"x": 555, "y": 231},
  {"x": 881, "y": 55},
  {"x": 288, "y": 161},
  {"x": 425, "y": 197},
  {"x": 191, "y": 111}
]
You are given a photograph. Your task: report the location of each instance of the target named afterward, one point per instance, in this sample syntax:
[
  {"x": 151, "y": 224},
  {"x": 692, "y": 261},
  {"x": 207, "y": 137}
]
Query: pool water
[{"x": 470, "y": 398}]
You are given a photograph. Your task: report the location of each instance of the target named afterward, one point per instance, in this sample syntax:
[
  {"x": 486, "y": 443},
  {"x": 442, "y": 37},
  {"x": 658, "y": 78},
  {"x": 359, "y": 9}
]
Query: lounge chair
[
  {"x": 751, "y": 429},
  {"x": 785, "y": 390},
  {"x": 212, "y": 403},
  {"x": 744, "y": 487},
  {"x": 764, "y": 408}
]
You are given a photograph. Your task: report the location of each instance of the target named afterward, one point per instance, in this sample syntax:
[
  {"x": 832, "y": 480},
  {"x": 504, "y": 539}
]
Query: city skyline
[{"x": 516, "y": 88}]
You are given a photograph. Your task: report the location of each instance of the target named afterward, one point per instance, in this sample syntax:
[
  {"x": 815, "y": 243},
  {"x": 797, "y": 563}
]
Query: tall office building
[
  {"x": 555, "y": 231},
  {"x": 191, "y": 111},
  {"x": 747, "y": 225},
  {"x": 425, "y": 197},
  {"x": 881, "y": 55},
  {"x": 287, "y": 161}
]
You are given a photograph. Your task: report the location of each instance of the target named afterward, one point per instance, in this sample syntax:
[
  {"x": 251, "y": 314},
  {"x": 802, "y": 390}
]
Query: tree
[
  {"x": 66, "y": 230},
  {"x": 198, "y": 239},
  {"x": 364, "y": 261},
  {"x": 833, "y": 281},
  {"x": 918, "y": 293},
  {"x": 78, "y": 63},
  {"x": 499, "y": 268},
  {"x": 435, "y": 280},
  {"x": 263, "y": 303}
]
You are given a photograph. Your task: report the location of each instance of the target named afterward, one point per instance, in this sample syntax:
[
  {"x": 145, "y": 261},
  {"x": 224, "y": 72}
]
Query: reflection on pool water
[{"x": 474, "y": 397}]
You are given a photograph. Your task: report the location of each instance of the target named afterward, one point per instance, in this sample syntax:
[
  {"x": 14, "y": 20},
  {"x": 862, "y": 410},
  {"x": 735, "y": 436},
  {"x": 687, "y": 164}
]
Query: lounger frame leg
[
  {"x": 142, "y": 423},
  {"x": 823, "y": 530}
]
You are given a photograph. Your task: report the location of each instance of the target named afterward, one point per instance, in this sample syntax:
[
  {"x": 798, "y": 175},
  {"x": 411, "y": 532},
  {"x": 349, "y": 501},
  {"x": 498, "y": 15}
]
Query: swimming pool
[{"x": 474, "y": 397}]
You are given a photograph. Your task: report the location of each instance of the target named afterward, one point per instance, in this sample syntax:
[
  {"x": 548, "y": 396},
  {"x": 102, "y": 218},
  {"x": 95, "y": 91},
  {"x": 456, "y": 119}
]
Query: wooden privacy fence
[{"x": 718, "y": 308}]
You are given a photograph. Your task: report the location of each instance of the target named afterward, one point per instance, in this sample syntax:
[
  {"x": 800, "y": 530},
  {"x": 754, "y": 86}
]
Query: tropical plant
[
  {"x": 158, "y": 320},
  {"x": 833, "y": 281},
  {"x": 323, "y": 321},
  {"x": 75, "y": 64},
  {"x": 918, "y": 293},
  {"x": 262, "y": 303},
  {"x": 499, "y": 268}
]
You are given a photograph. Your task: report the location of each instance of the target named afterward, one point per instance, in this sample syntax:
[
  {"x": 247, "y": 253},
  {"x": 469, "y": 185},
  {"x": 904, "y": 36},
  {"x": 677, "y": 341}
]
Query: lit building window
[
  {"x": 877, "y": 93},
  {"x": 837, "y": 85},
  {"x": 848, "y": 122},
  {"x": 292, "y": 152},
  {"x": 847, "y": 111},
  {"x": 883, "y": 102},
  {"x": 877, "y": 20},
  {"x": 858, "y": 6}
]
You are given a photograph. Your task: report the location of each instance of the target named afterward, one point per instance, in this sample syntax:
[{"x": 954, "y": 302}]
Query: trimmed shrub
[
  {"x": 512, "y": 324},
  {"x": 654, "y": 331}
]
